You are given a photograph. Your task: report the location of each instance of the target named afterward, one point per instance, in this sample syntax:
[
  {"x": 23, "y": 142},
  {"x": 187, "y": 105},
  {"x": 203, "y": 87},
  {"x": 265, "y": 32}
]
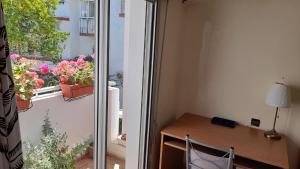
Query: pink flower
[
  {"x": 70, "y": 72},
  {"x": 81, "y": 63},
  {"x": 44, "y": 69},
  {"x": 56, "y": 71},
  {"x": 64, "y": 63},
  {"x": 14, "y": 57},
  {"x": 32, "y": 74},
  {"x": 72, "y": 63},
  {"x": 23, "y": 61},
  {"x": 81, "y": 56},
  {"x": 93, "y": 56}
]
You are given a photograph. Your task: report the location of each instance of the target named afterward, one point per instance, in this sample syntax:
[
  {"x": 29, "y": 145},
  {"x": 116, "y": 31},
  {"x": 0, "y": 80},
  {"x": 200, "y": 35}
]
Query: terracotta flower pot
[
  {"x": 90, "y": 150},
  {"x": 72, "y": 91},
  {"x": 23, "y": 104}
]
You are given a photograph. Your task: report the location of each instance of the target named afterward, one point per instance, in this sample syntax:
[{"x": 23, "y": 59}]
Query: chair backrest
[{"x": 199, "y": 160}]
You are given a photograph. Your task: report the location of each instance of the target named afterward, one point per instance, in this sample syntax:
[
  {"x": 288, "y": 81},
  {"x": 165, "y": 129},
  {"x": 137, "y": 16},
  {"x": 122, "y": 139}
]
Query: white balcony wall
[
  {"x": 75, "y": 118},
  {"x": 113, "y": 147}
]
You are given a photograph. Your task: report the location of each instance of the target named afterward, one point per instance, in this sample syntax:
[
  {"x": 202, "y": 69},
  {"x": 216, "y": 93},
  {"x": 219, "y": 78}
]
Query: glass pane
[
  {"x": 84, "y": 9},
  {"x": 128, "y": 72},
  {"x": 91, "y": 25},
  {"x": 92, "y": 9},
  {"x": 54, "y": 77},
  {"x": 116, "y": 134}
]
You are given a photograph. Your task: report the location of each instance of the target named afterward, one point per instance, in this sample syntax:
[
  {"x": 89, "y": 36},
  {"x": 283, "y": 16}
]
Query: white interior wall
[{"x": 230, "y": 53}]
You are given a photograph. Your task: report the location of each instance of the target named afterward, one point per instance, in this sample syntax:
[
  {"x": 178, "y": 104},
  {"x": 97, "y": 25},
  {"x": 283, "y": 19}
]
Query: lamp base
[{"x": 272, "y": 134}]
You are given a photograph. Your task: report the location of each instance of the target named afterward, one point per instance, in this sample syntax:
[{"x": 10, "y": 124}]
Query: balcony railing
[
  {"x": 87, "y": 26},
  {"x": 47, "y": 92}
]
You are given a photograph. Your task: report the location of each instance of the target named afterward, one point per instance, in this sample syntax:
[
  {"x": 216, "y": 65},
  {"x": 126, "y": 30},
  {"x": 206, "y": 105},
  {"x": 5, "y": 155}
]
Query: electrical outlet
[{"x": 255, "y": 122}]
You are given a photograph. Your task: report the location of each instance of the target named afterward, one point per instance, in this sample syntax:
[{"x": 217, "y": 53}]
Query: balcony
[
  {"x": 71, "y": 115},
  {"x": 87, "y": 26},
  {"x": 75, "y": 118}
]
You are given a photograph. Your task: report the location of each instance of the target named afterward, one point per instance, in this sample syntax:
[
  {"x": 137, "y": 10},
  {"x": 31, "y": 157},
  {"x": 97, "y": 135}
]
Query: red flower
[
  {"x": 39, "y": 83},
  {"x": 64, "y": 80}
]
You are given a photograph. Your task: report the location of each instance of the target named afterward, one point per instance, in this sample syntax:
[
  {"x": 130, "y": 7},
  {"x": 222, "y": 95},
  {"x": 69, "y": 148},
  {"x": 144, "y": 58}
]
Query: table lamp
[{"x": 278, "y": 97}]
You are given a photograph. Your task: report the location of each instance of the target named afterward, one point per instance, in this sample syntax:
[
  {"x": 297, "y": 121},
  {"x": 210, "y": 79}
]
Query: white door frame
[
  {"x": 101, "y": 81},
  {"x": 148, "y": 82},
  {"x": 134, "y": 38}
]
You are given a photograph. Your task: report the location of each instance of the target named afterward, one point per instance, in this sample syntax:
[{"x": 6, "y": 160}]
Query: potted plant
[
  {"x": 76, "y": 77},
  {"x": 25, "y": 79}
]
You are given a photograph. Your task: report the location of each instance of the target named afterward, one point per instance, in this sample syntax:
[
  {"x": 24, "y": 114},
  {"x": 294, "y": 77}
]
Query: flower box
[
  {"x": 73, "y": 91},
  {"x": 23, "y": 104}
]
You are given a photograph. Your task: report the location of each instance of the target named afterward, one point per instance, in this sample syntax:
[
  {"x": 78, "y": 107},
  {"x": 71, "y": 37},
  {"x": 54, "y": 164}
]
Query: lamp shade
[{"x": 278, "y": 96}]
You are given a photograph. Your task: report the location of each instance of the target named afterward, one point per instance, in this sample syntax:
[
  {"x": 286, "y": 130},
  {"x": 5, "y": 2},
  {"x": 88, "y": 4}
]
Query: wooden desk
[{"x": 251, "y": 148}]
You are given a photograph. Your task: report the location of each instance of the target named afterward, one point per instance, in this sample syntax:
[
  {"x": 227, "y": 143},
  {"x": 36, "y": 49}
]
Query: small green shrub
[{"x": 52, "y": 152}]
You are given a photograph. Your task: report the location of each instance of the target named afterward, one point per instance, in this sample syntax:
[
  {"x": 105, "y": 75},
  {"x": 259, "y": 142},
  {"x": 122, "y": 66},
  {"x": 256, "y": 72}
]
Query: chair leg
[{"x": 188, "y": 153}]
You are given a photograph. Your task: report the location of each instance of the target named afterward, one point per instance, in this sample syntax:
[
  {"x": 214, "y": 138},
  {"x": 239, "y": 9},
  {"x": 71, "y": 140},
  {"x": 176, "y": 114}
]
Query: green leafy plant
[
  {"x": 32, "y": 28},
  {"x": 52, "y": 152}
]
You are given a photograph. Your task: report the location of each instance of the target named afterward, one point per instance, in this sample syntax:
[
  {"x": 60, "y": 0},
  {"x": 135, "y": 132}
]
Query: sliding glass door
[{"x": 124, "y": 82}]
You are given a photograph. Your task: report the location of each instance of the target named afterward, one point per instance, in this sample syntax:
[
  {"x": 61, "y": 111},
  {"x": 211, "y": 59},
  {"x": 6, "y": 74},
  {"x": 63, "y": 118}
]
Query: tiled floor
[
  {"x": 112, "y": 163},
  {"x": 115, "y": 163}
]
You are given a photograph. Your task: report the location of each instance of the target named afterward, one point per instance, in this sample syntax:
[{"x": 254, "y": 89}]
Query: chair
[{"x": 199, "y": 160}]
